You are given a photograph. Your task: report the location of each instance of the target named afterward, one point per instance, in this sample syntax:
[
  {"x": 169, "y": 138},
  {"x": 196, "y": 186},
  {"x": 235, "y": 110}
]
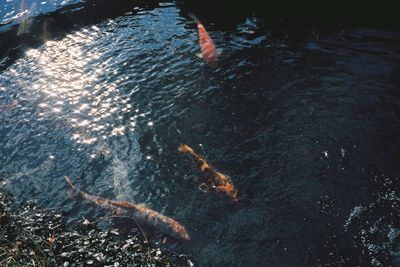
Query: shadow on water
[{"x": 304, "y": 120}]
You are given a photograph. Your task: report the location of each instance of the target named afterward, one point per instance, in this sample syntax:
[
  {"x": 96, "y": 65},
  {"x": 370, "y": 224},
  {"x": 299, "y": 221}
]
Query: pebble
[
  {"x": 114, "y": 232},
  {"x": 75, "y": 244}
]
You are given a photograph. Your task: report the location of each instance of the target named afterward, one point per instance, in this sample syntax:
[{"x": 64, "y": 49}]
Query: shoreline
[{"x": 31, "y": 236}]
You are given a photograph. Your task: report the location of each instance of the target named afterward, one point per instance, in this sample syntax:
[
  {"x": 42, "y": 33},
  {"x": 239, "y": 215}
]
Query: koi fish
[
  {"x": 140, "y": 213},
  {"x": 209, "y": 53},
  {"x": 213, "y": 179}
]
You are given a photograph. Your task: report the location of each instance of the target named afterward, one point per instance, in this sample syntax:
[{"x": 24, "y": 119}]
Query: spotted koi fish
[
  {"x": 139, "y": 213},
  {"x": 209, "y": 53},
  {"x": 212, "y": 179}
]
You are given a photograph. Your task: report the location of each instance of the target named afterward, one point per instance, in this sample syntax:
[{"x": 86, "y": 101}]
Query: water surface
[{"x": 306, "y": 125}]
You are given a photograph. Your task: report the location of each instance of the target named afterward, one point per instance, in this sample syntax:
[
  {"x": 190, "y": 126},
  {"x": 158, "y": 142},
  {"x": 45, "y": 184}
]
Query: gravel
[{"x": 30, "y": 236}]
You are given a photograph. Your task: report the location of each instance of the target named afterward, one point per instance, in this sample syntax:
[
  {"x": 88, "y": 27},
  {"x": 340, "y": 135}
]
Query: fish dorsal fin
[{"x": 199, "y": 55}]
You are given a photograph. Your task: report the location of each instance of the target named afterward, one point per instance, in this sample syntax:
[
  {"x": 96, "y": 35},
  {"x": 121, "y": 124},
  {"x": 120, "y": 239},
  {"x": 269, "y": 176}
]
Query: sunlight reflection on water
[{"x": 68, "y": 88}]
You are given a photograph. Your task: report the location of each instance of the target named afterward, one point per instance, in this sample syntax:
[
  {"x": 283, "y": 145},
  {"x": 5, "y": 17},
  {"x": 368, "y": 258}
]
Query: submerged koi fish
[
  {"x": 213, "y": 179},
  {"x": 140, "y": 213},
  {"x": 209, "y": 53}
]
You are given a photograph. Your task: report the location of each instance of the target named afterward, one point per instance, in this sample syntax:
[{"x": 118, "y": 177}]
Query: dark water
[{"x": 305, "y": 123}]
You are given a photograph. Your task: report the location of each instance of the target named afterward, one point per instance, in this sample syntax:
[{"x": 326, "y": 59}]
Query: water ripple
[{"x": 296, "y": 123}]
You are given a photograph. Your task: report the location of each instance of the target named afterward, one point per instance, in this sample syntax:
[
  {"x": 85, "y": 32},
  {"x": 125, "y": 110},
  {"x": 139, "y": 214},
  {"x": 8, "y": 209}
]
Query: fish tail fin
[
  {"x": 193, "y": 16},
  {"x": 69, "y": 182},
  {"x": 73, "y": 191},
  {"x": 185, "y": 149}
]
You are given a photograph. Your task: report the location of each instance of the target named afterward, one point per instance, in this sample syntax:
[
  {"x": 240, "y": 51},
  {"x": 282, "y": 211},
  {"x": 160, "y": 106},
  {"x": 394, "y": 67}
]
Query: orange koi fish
[
  {"x": 140, "y": 213},
  {"x": 212, "y": 179},
  {"x": 208, "y": 50}
]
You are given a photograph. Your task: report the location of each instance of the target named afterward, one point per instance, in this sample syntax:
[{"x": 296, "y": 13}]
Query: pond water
[{"x": 306, "y": 125}]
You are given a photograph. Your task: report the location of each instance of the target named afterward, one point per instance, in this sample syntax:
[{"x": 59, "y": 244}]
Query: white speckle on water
[
  {"x": 51, "y": 157},
  {"x": 326, "y": 154},
  {"x": 355, "y": 213},
  {"x": 9, "y": 14},
  {"x": 150, "y": 123},
  {"x": 393, "y": 234},
  {"x": 342, "y": 152},
  {"x": 118, "y": 131}
]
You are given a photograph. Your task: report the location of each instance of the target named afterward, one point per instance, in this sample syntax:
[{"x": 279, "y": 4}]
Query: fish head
[
  {"x": 179, "y": 231},
  {"x": 229, "y": 189},
  {"x": 211, "y": 60},
  {"x": 184, "y": 235}
]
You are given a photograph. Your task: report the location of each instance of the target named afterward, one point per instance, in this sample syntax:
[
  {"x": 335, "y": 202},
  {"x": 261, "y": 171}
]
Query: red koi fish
[
  {"x": 208, "y": 50},
  {"x": 140, "y": 213},
  {"x": 212, "y": 179}
]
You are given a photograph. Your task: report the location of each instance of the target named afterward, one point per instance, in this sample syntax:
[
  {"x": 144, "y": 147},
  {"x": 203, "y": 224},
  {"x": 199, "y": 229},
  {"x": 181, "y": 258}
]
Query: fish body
[
  {"x": 209, "y": 53},
  {"x": 139, "y": 213},
  {"x": 212, "y": 178}
]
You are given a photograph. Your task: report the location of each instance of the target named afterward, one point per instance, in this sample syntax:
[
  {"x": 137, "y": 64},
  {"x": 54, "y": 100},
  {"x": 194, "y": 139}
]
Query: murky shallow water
[{"x": 306, "y": 127}]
